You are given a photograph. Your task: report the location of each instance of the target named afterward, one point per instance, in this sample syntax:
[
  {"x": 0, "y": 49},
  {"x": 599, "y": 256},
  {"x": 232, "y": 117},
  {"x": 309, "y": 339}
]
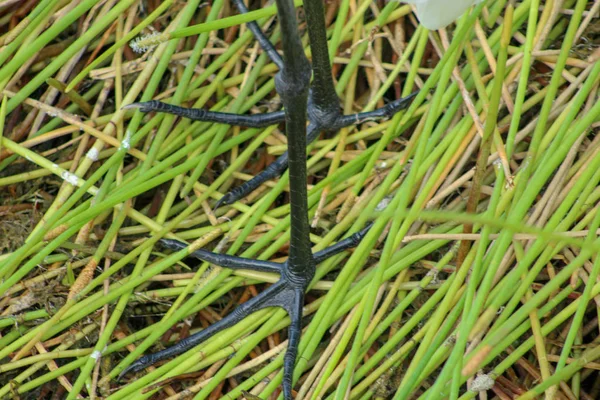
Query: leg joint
[
  {"x": 289, "y": 84},
  {"x": 323, "y": 108}
]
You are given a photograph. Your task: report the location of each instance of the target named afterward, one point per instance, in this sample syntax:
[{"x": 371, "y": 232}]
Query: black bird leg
[
  {"x": 259, "y": 35},
  {"x": 320, "y": 107},
  {"x": 292, "y": 84},
  {"x": 199, "y": 114},
  {"x": 265, "y": 299},
  {"x": 323, "y": 105},
  {"x": 276, "y": 168},
  {"x": 234, "y": 262}
]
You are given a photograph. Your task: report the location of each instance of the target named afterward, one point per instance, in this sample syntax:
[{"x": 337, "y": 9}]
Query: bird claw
[{"x": 285, "y": 293}]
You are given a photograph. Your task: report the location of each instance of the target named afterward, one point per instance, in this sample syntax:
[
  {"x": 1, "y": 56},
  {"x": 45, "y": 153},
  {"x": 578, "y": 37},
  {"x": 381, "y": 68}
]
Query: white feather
[{"x": 436, "y": 14}]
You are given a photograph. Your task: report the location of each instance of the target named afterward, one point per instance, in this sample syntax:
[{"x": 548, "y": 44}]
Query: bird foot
[
  {"x": 287, "y": 293},
  {"x": 324, "y": 124}
]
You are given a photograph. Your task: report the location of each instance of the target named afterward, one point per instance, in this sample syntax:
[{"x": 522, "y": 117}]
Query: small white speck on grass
[
  {"x": 383, "y": 204},
  {"x": 482, "y": 383},
  {"x": 92, "y": 154},
  {"x": 126, "y": 143},
  {"x": 69, "y": 177},
  {"x": 96, "y": 355}
]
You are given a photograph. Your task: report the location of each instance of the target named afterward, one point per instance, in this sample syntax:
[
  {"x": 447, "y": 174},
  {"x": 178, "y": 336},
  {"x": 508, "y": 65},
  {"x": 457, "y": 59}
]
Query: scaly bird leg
[
  {"x": 257, "y": 303},
  {"x": 319, "y": 105},
  {"x": 292, "y": 84},
  {"x": 323, "y": 105},
  {"x": 276, "y": 168}
]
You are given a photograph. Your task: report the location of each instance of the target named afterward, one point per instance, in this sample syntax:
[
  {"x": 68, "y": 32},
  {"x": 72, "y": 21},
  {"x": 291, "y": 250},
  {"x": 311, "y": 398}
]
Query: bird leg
[
  {"x": 323, "y": 105},
  {"x": 276, "y": 168},
  {"x": 317, "y": 104},
  {"x": 273, "y": 296}
]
